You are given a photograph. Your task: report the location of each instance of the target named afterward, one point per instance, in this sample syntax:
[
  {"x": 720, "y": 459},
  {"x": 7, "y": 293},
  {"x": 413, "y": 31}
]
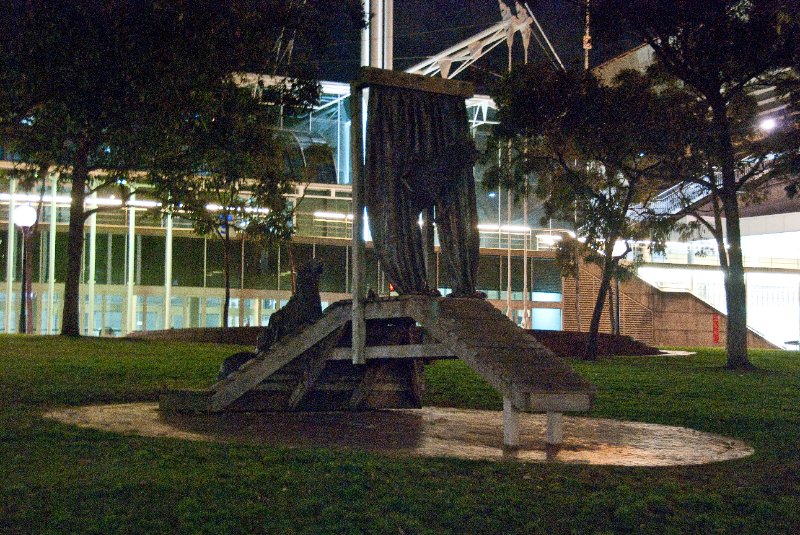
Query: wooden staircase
[{"x": 313, "y": 370}]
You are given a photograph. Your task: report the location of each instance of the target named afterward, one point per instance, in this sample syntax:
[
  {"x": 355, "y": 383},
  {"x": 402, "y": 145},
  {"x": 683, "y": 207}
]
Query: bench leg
[
  {"x": 510, "y": 424},
  {"x": 555, "y": 428}
]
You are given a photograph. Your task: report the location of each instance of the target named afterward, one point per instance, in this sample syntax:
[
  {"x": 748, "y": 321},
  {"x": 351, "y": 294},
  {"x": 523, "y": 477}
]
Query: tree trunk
[
  {"x": 719, "y": 236},
  {"x": 594, "y": 328},
  {"x": 735, "y": 293},
  {"x": 70, "y": 317},
  {"x": 226, "y": 254},
  {"x": 612, "y": 313}
]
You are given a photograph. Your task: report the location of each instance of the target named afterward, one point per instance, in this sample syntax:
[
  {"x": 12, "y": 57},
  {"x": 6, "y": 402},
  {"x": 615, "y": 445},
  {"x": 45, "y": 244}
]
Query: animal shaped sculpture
[{"x": 303, "y": 308}]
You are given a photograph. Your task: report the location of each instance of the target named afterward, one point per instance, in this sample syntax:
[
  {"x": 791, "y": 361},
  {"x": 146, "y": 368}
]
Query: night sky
[{"x": 424, "y": 27}]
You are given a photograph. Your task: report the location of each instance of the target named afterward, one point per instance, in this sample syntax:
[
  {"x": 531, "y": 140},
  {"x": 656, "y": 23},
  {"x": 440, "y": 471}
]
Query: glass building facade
[{"x": 131, "y": 283}]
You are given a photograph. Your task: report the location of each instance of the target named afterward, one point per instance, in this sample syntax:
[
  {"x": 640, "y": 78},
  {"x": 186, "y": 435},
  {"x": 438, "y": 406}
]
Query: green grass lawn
[{"x": 59, "y": 479}]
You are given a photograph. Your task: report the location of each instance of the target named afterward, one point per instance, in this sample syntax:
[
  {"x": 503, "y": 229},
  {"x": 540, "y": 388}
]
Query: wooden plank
[
  {"x": 257, "y": 370},
  {"x": 504, "y": 355},
  {"x": 377, "y": 310},
  {"x": 363, "y": 389},
  {"x": 408, "y": 351},
  {"x": 417, "y": 382},
  {"x": 313, "y": 370},
  {"x": 368, "y": 76},
  {"x": 557, "y": 402},
  {"x": 269, "y": 386},
  {"x": 357, "y": 323}
]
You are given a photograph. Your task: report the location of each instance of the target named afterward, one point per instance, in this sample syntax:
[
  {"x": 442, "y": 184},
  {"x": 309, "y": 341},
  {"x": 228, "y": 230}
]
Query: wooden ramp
[{"x": 312, "y": 370}]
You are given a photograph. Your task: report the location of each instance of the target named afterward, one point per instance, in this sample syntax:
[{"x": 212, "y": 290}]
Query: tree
[
  {"x": 598, "y": 154},
  {"x": 229, "y": 175},
  {"x": 87, "y": 85},
  {"x": 718, "y": 49}
]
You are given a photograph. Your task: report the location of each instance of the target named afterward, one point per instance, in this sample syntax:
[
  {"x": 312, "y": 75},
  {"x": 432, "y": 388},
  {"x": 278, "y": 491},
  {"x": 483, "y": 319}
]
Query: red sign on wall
[{"x": 715, "y": 328}]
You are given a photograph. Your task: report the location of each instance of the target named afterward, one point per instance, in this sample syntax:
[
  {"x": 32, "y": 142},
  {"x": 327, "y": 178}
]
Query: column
[
  {"x": 130, "y": 302},
  {"x": 92, "y": 269},
  {"x": 168, "y": 272},
  {"x": 12, "y": 190},
  {"x": 51, "y": 256}
]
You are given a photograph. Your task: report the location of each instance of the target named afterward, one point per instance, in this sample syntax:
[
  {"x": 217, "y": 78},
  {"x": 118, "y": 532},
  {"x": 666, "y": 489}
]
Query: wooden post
[
  {"x": 357, "y": 184},
  {"x": 510, "y": 424},
  {"x": 555, "y": 428}
]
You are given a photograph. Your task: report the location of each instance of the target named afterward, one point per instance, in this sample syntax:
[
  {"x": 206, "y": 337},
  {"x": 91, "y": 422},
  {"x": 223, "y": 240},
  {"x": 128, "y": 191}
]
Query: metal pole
[
  {"x": 356, "y": 179},
  {"x": 376, "y": 34},
  {"x": 365, "y": 4},
  {"x": 92, "y": 268},
  {"x": 23, "y": 316},
  {"x": 526, "y": 316},
  {"x": 51, "y": 256},
  {"x": 12, "y": 190},
  {"x": 509, "y": 313},
  {"x": 168, "y": 272},
  {"x": 388, "y": 34}
]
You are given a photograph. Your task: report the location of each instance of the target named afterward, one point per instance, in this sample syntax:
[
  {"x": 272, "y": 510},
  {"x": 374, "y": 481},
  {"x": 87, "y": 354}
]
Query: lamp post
[{"x": 25, "y": 218}]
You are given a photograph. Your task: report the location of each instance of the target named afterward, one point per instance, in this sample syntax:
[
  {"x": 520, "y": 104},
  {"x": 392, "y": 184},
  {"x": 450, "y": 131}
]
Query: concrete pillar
[
  {"x": 510, "y": 424},
  {"x": 168, "y": 272},
  {"x": 51, "y": 256},
  {"x": 12, "y": 234}
]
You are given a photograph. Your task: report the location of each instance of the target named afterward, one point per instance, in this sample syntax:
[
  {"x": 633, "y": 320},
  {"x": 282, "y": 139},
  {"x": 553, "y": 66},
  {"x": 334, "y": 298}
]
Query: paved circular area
[{"x": 431, "y": 431}]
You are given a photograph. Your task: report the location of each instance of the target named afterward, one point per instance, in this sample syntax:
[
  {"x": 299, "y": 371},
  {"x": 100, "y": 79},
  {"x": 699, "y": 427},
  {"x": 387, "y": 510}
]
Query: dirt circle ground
[{"x": 431, "y": 431}]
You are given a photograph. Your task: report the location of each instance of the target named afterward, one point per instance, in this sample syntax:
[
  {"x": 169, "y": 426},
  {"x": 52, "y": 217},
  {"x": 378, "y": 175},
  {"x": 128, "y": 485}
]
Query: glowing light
[
  {"x": 768, "y": 124},
  {"x": 24, "y": 216},
  {"x": 333, "y": 216},
  {"x": 515, "y": 228},
  {"x": 549, "y": 238}
]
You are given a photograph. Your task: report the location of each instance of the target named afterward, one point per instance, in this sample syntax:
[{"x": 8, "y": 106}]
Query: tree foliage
[
  {"x": 719, "y": 50},
  {"x": 598, "y": 154},
  {"x": 90, "y": 85}
]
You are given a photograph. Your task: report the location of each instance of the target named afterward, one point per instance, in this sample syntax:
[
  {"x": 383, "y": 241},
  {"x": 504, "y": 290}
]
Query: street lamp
[{"x": 25, "y": 218}]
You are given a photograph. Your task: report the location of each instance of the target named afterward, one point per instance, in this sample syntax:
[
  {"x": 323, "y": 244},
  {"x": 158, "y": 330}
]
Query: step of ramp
[
  {"x": 529, "y": 376},
  {"x": 257, "y": 370},
  {"x": 506, "y": 356}
]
